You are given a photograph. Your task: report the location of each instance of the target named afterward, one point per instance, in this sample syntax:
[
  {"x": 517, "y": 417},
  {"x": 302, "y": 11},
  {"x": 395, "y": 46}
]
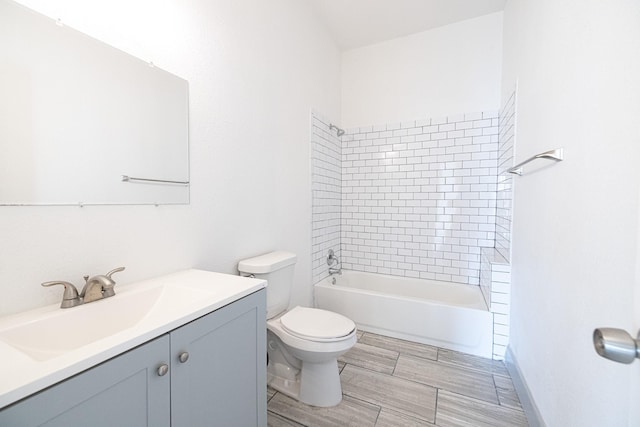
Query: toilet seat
[{"x": 316, "y": 325}]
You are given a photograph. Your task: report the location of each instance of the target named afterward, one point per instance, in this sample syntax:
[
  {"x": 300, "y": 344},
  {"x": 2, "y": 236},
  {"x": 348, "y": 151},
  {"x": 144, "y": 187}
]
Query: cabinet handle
[
  {"x": 163, "y": 369},
  {"x": 183, "y": 357}
]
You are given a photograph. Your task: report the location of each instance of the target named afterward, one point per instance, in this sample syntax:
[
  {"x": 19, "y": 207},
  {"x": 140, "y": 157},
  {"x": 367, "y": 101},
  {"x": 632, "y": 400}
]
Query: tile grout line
[
  {"x": 495, "y": 387},
  {"x": 435, "y": 412}
]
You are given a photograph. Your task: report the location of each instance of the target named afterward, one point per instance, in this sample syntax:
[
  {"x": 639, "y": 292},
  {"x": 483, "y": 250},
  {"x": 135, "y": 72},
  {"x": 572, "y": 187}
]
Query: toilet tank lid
[{"x": 267, "y": 263}]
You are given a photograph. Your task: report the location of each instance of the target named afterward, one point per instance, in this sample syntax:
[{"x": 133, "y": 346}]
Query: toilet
[{"x": 303, "y": 344}]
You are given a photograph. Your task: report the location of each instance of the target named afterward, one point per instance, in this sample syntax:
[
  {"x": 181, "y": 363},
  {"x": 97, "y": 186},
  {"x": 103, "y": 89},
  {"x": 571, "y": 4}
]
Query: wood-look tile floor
[{"x": 389, "y": 382}]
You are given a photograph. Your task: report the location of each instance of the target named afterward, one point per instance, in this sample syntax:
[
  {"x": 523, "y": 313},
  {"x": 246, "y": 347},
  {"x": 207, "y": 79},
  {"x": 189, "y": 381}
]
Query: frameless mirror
[{"x": 76, "y": 115}]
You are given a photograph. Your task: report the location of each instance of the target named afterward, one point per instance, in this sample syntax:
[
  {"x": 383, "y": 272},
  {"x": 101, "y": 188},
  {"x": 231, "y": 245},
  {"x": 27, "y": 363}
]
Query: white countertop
[{"x": 22, "y": 374}]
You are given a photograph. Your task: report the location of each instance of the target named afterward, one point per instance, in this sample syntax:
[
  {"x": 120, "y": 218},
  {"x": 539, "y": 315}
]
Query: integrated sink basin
[
  {"x": 60, "y": 331},
  {"x": 44, "y": 346}
]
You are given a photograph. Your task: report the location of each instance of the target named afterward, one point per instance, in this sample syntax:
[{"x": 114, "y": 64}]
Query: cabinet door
[
  {"x": 223, "y": 382},
  {"x": 124, "y": 391}
]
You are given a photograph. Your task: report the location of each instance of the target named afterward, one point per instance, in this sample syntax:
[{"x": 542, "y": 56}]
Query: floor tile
[
  {"x": 389, "y": 418},
  {"x": 472, "y": 362},
  {"x": 275, "y": 420},
  {"x": 408, "y": 397},
  {"x": 371, "y": 357},
  {"x": 455, "y": 410},
  {"x": 468, "y": 382},
  {"x": 428, "y": 385},
  {"x": 507, "y": 395},
  {"x": 350, "y": 412},
  {"x": 402, "y": 346}
]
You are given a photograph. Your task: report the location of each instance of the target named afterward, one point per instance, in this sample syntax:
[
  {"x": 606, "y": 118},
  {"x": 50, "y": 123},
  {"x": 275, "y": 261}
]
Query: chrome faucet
[
  {"x": 100, "y": 286},
  {"x": 95, "y": 288},
  {"x": 331, "y": 260}
]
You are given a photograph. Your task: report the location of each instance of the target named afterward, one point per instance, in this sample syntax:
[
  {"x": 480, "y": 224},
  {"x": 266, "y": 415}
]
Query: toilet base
[
  {"x": 284, "y": 379},
  {"x": 320, "y": 384},
  {"x": 316, "y": 384}
]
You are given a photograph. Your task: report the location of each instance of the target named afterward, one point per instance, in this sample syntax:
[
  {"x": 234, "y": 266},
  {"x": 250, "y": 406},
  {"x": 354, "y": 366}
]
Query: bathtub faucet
[{"x": 332, "y": 259}]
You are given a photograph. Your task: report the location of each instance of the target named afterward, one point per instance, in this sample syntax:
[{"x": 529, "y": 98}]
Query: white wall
[
  {"x": 575, "y": 237},
  {"x": 448, "y": 70},
  {"x": 252, "y": 86}
]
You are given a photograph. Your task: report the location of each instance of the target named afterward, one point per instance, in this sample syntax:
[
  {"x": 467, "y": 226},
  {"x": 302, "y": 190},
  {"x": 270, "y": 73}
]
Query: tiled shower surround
[
  {"x": 414, "y": 199},
  {"x": 495, "y": 268},
  {"x": 504, "y": 193},
  {"x": 419, "y": 197},
  {"x": 326, "y": 153},
  {"x": 429, "y": 199}
]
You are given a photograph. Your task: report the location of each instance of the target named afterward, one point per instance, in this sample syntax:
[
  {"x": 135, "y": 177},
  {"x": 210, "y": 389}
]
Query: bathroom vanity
[{"x": 192, "y": 359}]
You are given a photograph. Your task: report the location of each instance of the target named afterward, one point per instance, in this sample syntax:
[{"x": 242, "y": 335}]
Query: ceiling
[{"x": 357, "y": 23}]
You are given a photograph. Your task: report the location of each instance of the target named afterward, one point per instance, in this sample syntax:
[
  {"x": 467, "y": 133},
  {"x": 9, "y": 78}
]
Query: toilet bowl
[
  {"x": 303, "y": 344},
  {"x": 303, "y": 356}
]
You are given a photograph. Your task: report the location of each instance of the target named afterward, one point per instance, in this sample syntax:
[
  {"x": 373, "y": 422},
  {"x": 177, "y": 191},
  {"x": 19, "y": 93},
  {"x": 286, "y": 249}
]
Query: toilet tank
[{"x": 277, "y": 269}]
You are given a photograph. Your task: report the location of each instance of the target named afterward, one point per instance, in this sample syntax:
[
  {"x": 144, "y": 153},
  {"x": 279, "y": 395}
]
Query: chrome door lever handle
[{"x": 616, "y": 344}]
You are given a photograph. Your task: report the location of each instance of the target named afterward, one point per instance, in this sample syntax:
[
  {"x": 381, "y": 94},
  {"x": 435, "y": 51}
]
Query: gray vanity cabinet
[
  {"x": 216, "y": 377},
  {"x": 125, "y": 390},
  {"x": 223, "y": 380}
]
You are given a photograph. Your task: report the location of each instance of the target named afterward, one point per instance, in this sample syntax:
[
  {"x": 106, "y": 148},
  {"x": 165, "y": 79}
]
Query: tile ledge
[{"x": 494, "y": 256}]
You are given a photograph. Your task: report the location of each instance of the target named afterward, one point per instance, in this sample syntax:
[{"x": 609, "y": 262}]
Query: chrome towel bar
[
  {"x": 128, "y": 178},
  {"x": 556, "y": 155}
]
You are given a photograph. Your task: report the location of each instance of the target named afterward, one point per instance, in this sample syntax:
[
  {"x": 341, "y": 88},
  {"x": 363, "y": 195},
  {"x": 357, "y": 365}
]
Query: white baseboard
[{"x": 526, "y": 400}]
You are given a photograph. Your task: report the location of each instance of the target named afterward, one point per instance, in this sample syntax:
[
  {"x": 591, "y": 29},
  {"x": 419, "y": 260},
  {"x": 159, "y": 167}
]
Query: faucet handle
[
  {"x": 70, "y": 296},
  {"x": 331, "y": 257},
  {"x": 108, "y": 287},
  {"x": 115, "y": 270}
]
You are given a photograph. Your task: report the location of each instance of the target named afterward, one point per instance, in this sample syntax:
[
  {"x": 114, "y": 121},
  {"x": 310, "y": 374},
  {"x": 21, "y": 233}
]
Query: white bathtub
[{"x": 449, "y": 315}]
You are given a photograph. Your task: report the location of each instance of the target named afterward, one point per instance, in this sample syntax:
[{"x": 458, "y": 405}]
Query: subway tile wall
[
  {"x": 495, "y": 283},
  {"x": 505, "y": 180},
  {"x": 326, "y": 166},
  {"x": 428, "y": 198},
  {"x": 419, "y": 197},
  {"x": 495, "y": 269}
]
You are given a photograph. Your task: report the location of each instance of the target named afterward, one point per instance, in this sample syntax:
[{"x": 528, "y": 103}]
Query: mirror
[{"x": 76, "y": 115}]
